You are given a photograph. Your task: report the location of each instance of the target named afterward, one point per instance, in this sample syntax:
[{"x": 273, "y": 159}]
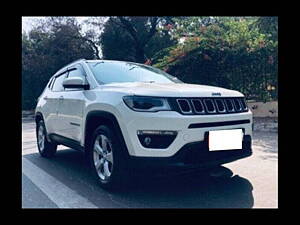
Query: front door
[{"x": 71, "y": 107}]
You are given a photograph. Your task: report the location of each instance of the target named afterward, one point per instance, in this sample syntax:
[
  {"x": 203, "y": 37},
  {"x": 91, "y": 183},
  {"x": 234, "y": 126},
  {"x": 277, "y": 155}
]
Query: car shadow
[{"x": 192, "y": 190}]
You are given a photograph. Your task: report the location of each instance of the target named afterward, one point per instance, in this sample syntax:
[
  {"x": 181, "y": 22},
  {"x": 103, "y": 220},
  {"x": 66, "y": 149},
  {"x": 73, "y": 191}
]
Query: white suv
[{"x": 127, "y": 116}]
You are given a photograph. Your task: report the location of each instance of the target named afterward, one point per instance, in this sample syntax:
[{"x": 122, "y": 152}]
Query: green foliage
[
  {"x": 269, "y": 26},
  {"x": 239, "y": 53},
  {"x": 229, "y": 52},
  {"x": 133, "y": 38},
  {"x": 51, "y": 45},
  {"x": 116, "y": 44}
]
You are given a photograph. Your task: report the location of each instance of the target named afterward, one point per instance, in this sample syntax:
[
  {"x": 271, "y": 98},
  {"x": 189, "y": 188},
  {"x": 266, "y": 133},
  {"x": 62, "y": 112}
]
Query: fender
[
  {"x": 38, "y": 114},
  {"x": 106, "y": 117}
]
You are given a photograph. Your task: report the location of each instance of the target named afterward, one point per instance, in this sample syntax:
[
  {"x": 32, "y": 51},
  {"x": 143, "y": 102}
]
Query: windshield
[{"x": 107, "y": 72}]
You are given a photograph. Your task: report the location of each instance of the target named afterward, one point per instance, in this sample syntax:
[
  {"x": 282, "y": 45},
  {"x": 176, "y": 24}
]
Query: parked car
[{"x": 127, "y": 117}]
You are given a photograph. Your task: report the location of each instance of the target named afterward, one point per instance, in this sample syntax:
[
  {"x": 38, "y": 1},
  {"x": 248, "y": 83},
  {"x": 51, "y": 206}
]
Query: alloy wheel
[
  {"x": 103, "y": 157},
  {"x": 41, "y": 138}
]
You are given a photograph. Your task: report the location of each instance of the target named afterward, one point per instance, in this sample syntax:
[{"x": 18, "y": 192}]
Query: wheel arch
[
  {"x": 98, "y": 117},
  {"x": 38, "y": 116}
]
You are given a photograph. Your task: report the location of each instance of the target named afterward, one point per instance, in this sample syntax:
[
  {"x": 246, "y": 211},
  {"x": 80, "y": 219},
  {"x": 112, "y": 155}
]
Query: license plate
[{"x": 225, "y": 139}]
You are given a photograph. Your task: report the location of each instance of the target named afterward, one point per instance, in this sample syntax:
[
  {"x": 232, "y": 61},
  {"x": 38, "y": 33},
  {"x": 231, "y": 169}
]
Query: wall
[{"x": 261, "y": 109}]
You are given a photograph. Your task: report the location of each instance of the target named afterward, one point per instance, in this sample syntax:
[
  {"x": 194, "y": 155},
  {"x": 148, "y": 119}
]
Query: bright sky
[{"x": 28, "y": 22}]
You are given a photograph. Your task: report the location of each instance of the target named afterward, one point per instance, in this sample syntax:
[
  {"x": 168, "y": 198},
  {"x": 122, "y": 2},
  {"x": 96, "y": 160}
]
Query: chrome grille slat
[
  {"x": 237, "y": 105},
  {"x": 243, "y": 104},
  {"x": 223, "y": 105},
  {"x": 181, "y": 107},
  {"x": 207, "y": 107},
  {"x": 196, "y": 108},
  {"x": 230, "y": 107}
]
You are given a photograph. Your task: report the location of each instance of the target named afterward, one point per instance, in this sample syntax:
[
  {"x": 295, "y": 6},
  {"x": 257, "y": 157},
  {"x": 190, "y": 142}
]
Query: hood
[{"x": 169, "y": 89}]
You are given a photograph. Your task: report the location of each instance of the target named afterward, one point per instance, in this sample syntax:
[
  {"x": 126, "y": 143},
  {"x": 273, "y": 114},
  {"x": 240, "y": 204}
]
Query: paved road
[{"x": 65, "y": 181}]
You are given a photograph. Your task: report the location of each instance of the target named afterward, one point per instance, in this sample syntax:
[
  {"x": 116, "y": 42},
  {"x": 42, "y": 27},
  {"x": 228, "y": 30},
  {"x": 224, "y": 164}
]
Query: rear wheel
[{"x": 46, "y": 149}]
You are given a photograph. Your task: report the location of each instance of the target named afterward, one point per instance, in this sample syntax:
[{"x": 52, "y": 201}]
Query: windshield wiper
[{"x": 133, "y": 67}]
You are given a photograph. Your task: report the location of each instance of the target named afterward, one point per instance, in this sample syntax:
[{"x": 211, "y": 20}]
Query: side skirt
[{"x": 66, "y": 142}]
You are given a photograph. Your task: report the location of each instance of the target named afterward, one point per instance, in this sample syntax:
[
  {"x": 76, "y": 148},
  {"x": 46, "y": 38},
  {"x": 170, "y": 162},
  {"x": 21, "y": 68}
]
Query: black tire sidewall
[
  {"x": 118, "y": 171},
  {"x": 49, "y": 148}
]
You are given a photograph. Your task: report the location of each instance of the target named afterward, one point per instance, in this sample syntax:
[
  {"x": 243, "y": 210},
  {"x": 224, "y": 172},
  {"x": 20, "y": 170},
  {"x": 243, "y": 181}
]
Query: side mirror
[{"x": 75, "y": 82}]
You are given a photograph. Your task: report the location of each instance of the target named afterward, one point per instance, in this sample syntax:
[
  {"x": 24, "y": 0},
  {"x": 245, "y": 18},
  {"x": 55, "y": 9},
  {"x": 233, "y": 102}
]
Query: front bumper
[
  {"x": 131, "y": 122},
  {"x": 195, "y": 155}
]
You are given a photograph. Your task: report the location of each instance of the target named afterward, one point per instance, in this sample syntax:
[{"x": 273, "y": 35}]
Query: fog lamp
[
  {"x": 147, "y": 141},
  {"x": 156, "y": 138},
  {"x": 156, "y": 132}
]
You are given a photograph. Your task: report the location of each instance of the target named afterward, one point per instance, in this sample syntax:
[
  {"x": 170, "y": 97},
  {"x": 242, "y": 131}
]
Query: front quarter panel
[{"x": 100, "y": 100}]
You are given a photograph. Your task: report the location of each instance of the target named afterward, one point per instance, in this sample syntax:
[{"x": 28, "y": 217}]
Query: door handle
[
  {"x": 46, "y": 97},
  {"x": 61, "y": 98}
]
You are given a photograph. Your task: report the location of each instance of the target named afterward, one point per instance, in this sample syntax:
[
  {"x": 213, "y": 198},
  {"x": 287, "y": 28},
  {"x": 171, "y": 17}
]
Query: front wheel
[
  {"x": 46, "y": 148},
  {"x": 106, "y": 158}
]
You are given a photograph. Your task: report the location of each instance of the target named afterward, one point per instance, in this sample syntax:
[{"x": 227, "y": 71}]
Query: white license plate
[{"x": 225, "y": 139}]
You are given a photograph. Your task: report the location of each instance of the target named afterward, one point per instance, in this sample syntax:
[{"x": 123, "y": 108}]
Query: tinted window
[
  {"x": 57, "y": 86},
  {"x": 116, "y": 72}
]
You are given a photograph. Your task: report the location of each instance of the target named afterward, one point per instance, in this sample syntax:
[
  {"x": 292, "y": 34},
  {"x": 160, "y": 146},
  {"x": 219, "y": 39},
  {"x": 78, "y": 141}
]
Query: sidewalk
[
  {"x": 27, "y": 115},
  {"x": 269, "y": 124}
]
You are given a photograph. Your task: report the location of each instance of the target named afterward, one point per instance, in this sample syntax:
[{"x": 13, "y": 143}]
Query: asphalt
[{"x": 65, "y": 182}]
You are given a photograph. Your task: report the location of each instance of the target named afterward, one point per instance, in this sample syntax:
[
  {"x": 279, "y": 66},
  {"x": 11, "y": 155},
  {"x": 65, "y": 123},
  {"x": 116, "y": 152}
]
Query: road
[{"x": 65, "y": 182}]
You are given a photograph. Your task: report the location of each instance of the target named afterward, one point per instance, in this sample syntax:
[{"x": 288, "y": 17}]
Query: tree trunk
[{"x": 140, "y": 55}]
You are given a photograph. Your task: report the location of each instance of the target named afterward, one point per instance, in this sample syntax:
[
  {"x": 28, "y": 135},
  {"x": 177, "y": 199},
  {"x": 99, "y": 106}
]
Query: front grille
[{"x": 218, "y": 105}]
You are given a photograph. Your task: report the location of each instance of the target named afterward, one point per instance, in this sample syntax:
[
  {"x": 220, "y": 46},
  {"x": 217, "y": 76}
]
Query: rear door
[
  {"x": 52, "y": 98},
  {"x": 71, "y": 107}
]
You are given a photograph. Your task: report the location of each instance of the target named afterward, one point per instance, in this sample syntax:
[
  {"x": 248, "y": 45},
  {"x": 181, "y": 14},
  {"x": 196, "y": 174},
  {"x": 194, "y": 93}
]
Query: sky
[{"x": 29, "y": 22}]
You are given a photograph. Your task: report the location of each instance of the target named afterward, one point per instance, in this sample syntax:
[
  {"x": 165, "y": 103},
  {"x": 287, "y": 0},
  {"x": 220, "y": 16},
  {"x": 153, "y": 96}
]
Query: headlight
[{"x": 146, "y": 104}]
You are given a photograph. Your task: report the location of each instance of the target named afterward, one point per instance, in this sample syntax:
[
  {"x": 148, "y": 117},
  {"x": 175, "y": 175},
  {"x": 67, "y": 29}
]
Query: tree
[
  {"x": 268, "y": 25},
  {"x": 134, "y": 38},
  {"x": 229, "y": 52},
  {"x": 53, "y": 43}
]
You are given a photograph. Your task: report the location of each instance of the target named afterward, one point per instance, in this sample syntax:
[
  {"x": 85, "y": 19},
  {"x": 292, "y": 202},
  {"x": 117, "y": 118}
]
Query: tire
[
  {"x": 46, "y": 149},
  {"x": 107, "y": 159}
]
